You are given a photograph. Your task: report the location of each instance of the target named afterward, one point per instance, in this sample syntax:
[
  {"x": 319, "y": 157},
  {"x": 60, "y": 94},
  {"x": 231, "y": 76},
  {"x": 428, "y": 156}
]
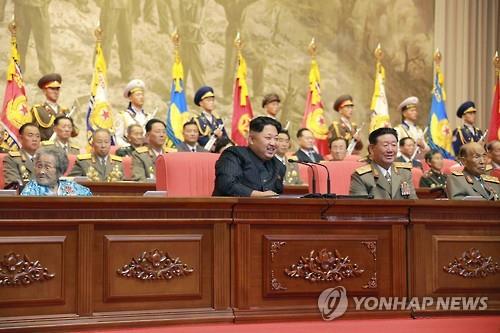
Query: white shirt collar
[{"x": 384, "y": 171}]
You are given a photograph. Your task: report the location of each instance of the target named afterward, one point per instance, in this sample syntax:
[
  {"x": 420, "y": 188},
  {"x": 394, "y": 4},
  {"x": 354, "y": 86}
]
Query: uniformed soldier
[
  {"x": 407, "y": 149},
  {"x": 271, "y": 105},
  {"x": 45, "y": 114},
  {"x": 63, "y": 128},
  {"x": 468, "y": 132},
  {"x": 292, "y": 175},
  {"x": 472, "y": 181},
  {"x": 134, "y": 114},
  {"x": 383, "y": 178},
  {"x": 18, "y": 165},
  {"x": 408, "y": 127},
  {"x": 344, "y": 127},
  {"x": 135, "y": 138},
  {"x": 434, "y": 178},
  {"x": 144, "y": 158},
  {"x": 100, "y": 165},
  {"x": 208, "y": 122},
  {"x": 493, "y": 150}
]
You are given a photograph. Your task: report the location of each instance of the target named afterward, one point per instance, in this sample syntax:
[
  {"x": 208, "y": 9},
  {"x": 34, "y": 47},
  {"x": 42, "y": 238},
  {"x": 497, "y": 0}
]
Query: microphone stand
[
  {"x": 314, "y": 194},
  {"x": 328, "y": 194}
]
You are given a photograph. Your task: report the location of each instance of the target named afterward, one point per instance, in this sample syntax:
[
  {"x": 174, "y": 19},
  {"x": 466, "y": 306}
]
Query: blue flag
[
  {"x": 177, "y": 112},
  {"x": 440, "y": 134}
]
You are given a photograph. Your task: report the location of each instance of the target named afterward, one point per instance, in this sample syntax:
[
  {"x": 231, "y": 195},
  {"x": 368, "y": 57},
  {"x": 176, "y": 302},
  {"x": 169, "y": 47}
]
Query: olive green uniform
[
  {"x": 90, "y": 165},
  {"x": 18, "y": 166},
  {"x": 461, "y": 184}
]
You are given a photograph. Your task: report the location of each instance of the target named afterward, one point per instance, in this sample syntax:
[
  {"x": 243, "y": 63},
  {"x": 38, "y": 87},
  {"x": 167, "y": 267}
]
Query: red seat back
[
  {"x": 186, "y": 174},
  {"x": 71, "y": 163},
  {"x": 127, "y": 167},
  {"x": 416, "y": 174},
  {"x": 303, "y": 173},
  {"x": 340, "y": 176}
]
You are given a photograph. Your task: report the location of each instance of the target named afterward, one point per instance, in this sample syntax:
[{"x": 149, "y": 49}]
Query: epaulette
[
  {"x": 491, "y": 179},
  {"x": 457, "y": 173},
  {"x": 403, "y": 165},
  {"x": 489, "y": 167},
  {"x": 116, "y": 158},
  {"x": 364, "y": 169},
  {"x": 293, "y": 157},
  {"x": 171, "y": 150},
  {"x": 36, "y": 106},
  {"x": 48, "y": 143},
  {"x": 142, "y": 149},
  {"x": 75, "y": 146},
  {"x": 82, "y": 157},
  {"x": 14, "y": 153}
]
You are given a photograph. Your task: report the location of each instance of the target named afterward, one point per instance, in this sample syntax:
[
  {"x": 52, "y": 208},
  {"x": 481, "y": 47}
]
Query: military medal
[{"x": 405, "y": 189}]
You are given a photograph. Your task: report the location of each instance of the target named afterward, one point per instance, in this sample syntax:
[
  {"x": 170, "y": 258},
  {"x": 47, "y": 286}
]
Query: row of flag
[{"x": 15, "y": 111}]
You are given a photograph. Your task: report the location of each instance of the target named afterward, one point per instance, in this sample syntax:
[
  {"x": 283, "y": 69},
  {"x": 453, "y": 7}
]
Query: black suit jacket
[
  {"x": 303, "y": 157},
  {"x": 238, "y": 172}
]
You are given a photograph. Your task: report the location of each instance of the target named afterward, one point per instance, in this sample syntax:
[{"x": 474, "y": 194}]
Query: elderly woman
[{"x": 50, "y": 164}]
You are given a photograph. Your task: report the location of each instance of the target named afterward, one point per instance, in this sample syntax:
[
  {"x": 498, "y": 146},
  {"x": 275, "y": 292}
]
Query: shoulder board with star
[
  {"x": 364, "y": 169},
  {"x": 491, "y": 179},
  {"x": 457, "y": 173},
  {"x": 83, "y": 157},
  {"x": 14, "y": 153},
  {"x": 48, "y": 143},
  {"x": 116, "y": 158},
  {"x": 75, "y": 146},
  {"x": 142, "y": 149},
  {"x": 403, "y": 165}
]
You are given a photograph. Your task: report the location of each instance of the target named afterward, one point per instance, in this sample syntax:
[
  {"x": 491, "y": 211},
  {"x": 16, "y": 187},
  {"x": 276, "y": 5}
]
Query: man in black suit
[
  {"x": 191, "y": 135},
  {"x": 306, "y": 153},
  {"x": 407, "y": 148},
  {"x": 252, "y": 171}
]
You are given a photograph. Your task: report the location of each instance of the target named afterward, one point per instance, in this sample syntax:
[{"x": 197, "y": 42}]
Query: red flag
[
  {"x": 242, "y": 109},
  {"x": 15, "y": 111},
  {"x": 314, "y": 118},
  {"x": 494, "y": 129}
]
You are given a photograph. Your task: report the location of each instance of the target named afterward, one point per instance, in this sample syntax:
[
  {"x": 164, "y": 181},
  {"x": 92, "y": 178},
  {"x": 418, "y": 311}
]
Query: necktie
[
  {"x": 311, "y": 156},
  {"x": 388, "y": 177},
  {"x": 65, "y": 149}
]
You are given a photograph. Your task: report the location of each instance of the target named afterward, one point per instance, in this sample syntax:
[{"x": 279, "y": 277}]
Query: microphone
[
  {"x": 314, "y": 194},
  {"x": 328, "y": 192}
]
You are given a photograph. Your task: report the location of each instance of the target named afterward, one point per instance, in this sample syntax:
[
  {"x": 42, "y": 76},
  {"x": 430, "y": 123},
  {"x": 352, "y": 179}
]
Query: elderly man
[
  {"x": 383, "y": 178},
  {"x": 338, "y": 150},
  {"x": 306, "y": 153},
  {"x": 135, "y": 137},
  {"x": 63, "y": 128},
  {"x": 252, "y": 171},
  {"x": 407, "y": 149},
  {"x": 493, "y": 149},
  {"x": 100, "y": 165},
  {"x": 191, "y": 135},
  {"x": 472, "y": 181},
  {"x": 18, "y": 165},
  {"x": 50, "y": 164}
]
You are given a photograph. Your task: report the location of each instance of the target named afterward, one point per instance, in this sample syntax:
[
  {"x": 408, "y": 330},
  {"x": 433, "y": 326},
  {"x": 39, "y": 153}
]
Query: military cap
[
  {"x": 372, "y": 138},
  {"x": 342, "y": 101},
  {"x": 409, "y": 103},
  {"x": 52, "y": 80},
  {"x": 203, "y": 93},
  {"x": 269, "y": 98},
  {"x": 133, "y": 86},
  {"x": 466, "y": 107}
]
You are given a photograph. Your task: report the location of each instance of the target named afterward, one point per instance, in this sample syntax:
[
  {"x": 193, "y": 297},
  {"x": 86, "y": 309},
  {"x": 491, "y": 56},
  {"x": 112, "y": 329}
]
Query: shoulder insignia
[
  {"x": 171, "y": 150},
  {"x": 116, "y": 158},
  {"x": 84, "y": 156},
  {"x": 491, "y": 179},
  {"x": 457, "y": 173},
  {"x": 48, "y": 143},
  {"x": 364, "y": 169},
  {"x": 293, "y": 157},
  {"x": 142, "y": 149},
  {"x": 75, "y": 146},
  {"x": 489, "y": 167},
  {"x": 403, "y": 165},
  {"x": 14, "y": 153}
]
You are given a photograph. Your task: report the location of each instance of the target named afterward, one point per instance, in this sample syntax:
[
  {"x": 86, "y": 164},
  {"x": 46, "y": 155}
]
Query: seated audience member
[
  {"x": 472, "y": 181},
  {"x": 253, "y": 170},
  {"x": 338, "y": 150},
  {"x": 222, "y": 144},
  {"x": 306, "y": 153},
  {"x": 292, "y": 176},
  {"x": 493, "y": 149},
  {"x": 135, "y": 139},
  {"x": 63, "y": 130},
  {"x": 191, "y": 135},
  {"x": 383, "y": 177},
  {"x": 144, "y": 158},
  {"x": 50, "y": 165},
  {"x": 433, "y": 178},
  {"x": 18, "y": 165},
  {"x": 99, "y": 166},
  {"x": 407, "y": 149}
]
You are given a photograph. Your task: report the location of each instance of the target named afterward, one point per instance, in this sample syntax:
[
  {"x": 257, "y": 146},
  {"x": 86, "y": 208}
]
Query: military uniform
[
  {"x": 344, "y": 129},
  {"x": 65, "y": 188},
  {"x": 368, "y": 180},
  {"x": 461, "y": 184},
  {"x": 125, "y": 151},
  {"x": 407, "y": 129},
  {"x": 70, "y": 149},
  {"x": 127, "y": 118},
  {"x": 433, "y": 179},
  {"x": 207, "y": 127},
  {"x": 463, "y": 135},
  {"x": 414, "y": 163},
  {"x": 89, "y": 165},
  {"x": 44, "y": 116},
  {"x": 18, "y": 166},
  {"x": 144, "y": 163}
]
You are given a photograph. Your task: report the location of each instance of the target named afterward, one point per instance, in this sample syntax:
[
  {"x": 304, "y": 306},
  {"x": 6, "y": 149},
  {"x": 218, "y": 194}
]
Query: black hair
[
  {"x": 151, "y": 122},
  {"x": 372, "y": 138},
  {"x": 58, "y": 119},
  {"x": 284, "y": 131},
  {"x": 221, "y": 143},
  {"x": 337, "y": 139},
  {"x": 302, "y": 130},
  {"x": 429, "y": 155},
  {"x": 403, "y": 141},
  {"x": 258, "y": 124},
  {"x": 21, "y": 129},
  {"x": 190, "y": 122}
]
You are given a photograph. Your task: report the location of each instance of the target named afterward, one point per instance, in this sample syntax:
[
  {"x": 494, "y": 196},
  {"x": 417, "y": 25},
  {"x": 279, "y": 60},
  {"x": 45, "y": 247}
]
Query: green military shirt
[
  {"x": 71, "y": 149},
  {"x": 125, "y": 151},
  {"x": 44, "y": 116},
  {"x": 461, "y": 184},
  {"x": 90, "y": 165},
  {"x": 433, "y": 179},
  {"x": 368, "y": 180},
  {"x": 144, "y": 163},
  {"x": 18, "y": 166}
]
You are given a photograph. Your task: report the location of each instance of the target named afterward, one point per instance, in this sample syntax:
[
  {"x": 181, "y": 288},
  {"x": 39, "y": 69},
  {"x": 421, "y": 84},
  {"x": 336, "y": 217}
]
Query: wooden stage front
[{"x": 109, "y": 261}]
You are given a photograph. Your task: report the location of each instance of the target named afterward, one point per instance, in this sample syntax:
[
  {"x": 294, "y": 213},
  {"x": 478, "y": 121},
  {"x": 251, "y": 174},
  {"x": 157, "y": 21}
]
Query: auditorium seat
[
  {"x": 2, "y": 181},
  {"x": 340, "y": 176},
  {"x": 71, "y": 163},
  {"x": 303, "y": 173},
  {"x": 127, "y": 167},
  {"x": 416, "y": 174},
  {"x": 186, "y": 174},
  {"x": 113, "y": 149}
]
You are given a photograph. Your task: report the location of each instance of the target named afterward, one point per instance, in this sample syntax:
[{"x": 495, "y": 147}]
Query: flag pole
[{"x": 496, "y": 63}]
